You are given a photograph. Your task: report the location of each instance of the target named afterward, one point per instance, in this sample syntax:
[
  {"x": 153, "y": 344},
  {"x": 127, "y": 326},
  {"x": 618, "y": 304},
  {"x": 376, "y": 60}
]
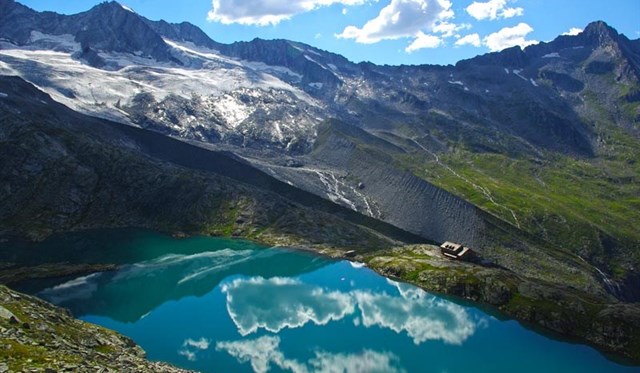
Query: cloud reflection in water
[
  {"x": 264, "y": 352},
  {"x": 278, "y": 303}
]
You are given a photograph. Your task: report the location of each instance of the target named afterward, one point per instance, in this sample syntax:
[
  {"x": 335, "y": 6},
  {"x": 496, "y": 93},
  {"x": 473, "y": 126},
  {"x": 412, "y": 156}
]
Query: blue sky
[{"x": 385, "y": 31}]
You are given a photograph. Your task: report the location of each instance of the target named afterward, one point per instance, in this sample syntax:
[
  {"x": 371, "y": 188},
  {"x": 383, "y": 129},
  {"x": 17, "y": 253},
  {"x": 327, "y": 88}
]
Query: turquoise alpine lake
[{"x": 221, "y": 305}]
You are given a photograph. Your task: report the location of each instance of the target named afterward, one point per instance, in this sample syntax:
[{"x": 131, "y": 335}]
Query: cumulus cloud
[
  {"x": 573, "y": 31},
  {"x": 448, "y": 29},
  {"x": 278, "y": 303},
  {"x": 421, "y": 315},
  {"x": 471, "y": 39},
  {"x": 200, "y": 344},
  {"x": 402, "y": 19},
  {"x": 263, "y": 13},
  {"x": 367, "y": 361},
  {"x": 509, "y": 37},
  {"x": 424, "y": 41},
  {"x": 261, "y": 353},
  {"x": 264, "y": 352},
  {"x": 493, "y": 9},
  {"x": 190, "y": 348}
]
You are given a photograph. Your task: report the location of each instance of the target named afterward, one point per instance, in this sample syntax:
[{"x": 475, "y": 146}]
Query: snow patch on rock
[
  {"x": 127, "y": 9},
  {"x": 65, "y": 42},
  {"x": 518, "y": 73}
]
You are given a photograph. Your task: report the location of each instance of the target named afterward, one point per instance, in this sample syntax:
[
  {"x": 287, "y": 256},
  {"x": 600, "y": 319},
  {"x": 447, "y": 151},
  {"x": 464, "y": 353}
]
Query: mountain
[
  {"x": 107, "y": 27},
  {"x": 532, "y": 157}
]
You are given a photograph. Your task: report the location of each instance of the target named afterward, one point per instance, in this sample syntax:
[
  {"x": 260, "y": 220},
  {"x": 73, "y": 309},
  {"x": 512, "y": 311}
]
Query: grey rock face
[
  {"x": 106, "y": 27},
  {"x": 64, "y": 171}
]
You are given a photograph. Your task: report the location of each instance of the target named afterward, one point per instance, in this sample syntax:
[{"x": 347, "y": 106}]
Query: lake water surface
[{"x": 219, "y": 305}]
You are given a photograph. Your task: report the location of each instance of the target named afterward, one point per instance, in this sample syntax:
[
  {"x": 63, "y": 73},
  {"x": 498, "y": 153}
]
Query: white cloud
[
  {"x": 190, "y": 348},
  {"x": 509, "y": 37},
  {"x": 367, "y": 361},
  {"x": 421, "y": 315},
  {"x": 493, "y": 9},
  {"x": 261, "y": 353},
  {"x": 263, "y": 13},
  {"x": 424, "y": 41},
  {"x": 448, "y": 29},
  {"x": 278, "y": 303},
  {"x": 401, "y": 19},
  {"x": 200, "y": 344},
  {"x": 191, "y": 356},
  {"x": 264, "y": 352},
  {"x": 471, "y": 39},
  {"x": 573, "y": 31}
]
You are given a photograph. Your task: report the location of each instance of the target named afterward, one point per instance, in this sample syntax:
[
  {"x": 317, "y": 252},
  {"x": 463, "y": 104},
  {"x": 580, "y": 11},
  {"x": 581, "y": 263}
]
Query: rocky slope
[
  {"x": 612, "y": 327},
  {"x": 507, "y": 131},
  {"x": 37, "y": 336},
  {"x": 530, "y": 156},
  {"x": 88, "y": 173}
]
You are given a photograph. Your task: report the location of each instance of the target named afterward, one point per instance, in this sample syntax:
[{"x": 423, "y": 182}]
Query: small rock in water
[{"x": 360, "y": 185}]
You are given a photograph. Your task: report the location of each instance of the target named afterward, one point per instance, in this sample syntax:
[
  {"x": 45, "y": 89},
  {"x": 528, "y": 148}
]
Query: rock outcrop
[
  {"x": 38, "y": 336},
  {"x": 597, "y": 320}
]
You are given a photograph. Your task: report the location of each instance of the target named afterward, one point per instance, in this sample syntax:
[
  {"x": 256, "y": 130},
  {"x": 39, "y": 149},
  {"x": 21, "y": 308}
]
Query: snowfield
[{"x": 228, "y": 95}]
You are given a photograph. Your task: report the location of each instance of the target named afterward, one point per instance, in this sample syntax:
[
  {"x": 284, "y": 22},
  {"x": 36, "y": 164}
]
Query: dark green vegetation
[
  {"x": 583, "y": 203},
  {"x": 582, "y": 206}
]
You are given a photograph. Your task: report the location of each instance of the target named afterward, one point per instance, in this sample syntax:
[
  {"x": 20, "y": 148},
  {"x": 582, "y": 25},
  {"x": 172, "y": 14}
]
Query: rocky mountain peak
[
  {"x": 6, "y": 5},
  {"x": 111, "y": 5},
  {"x": 184, "y": 31},
  {"x": 17, "y": 21},
  {"x": 111, "y": 27},
  {"x": 111, "y": 9},
  {"x": 600, "y": 33}
]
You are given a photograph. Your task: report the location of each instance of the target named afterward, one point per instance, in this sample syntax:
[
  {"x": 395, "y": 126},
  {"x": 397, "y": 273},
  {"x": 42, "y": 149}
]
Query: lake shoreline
[{"x": 612, "y": 328}]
